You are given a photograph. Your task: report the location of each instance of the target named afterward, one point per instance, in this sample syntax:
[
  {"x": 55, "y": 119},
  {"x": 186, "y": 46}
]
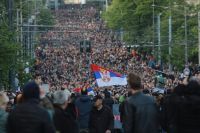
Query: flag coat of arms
[{"x": 105, "y": 77}]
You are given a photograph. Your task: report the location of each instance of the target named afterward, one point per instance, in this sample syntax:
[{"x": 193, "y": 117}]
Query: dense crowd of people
[
  {"x": 60, "y": 60},
  {"x": 154, "y": 101}
]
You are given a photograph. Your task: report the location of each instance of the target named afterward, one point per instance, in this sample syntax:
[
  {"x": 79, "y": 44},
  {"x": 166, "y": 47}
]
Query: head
[
  {"x": 134, "y": 82},
  {"x": 38, "y": 79},
  {"x": 61, "y": 98},
  {"x": 31, "y": 91},
  {"x": 193, "y": 86},
  {"x": 84, "y": 91},
  {"x": 98, "y": 101},
  {"x": 3, "y": 100},
  {"x": 44, "y": 89}
]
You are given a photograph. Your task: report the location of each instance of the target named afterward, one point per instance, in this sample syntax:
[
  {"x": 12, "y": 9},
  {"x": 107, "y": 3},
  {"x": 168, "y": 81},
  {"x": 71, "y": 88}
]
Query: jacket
[
  {"x": 181, "y": 114},
  {"x": 29, "y": 117},
  {"x": 141, "y": 114},
  {"x": 84, "y": 106},
  {"x": 101, "y": 120},
  {"x": 64, "y": 122},
  {"x": 109, "y": 102},
  {"x": 3, "y": 121}
]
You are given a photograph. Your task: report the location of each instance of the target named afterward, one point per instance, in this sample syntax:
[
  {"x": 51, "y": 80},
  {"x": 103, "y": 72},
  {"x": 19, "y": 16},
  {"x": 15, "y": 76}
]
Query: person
[
  {"x": 84, "y": 106},
  {"x": 29, "y": 116},
  {"x": 38, "y": 79},
  {"x": 45, "y": 102},
  {"x": 108, "y": 99},
  {"x": 64, "y": 122},
  {"x": 181, "y": 110},
  {"x": 3, "y": 115},
  {"x": 101, "y": 117},
  {"x": 141, "y": 112},
  {"x": 71, "y": 108}
]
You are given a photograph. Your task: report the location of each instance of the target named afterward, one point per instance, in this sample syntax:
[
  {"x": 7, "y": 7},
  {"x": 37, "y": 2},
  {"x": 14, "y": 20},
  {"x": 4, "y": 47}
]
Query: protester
[
  {"x": 45, "y": 102},
  {"x": 141, "y": 113},
  {"x": 108, "y": 100},
  {"x": 28, "y": 116},
  {"x": 63, "y": 121},
  {"x": 84, "y": 106},
  {"x": 180, "y": 111},
  {"x": 71, "y": 107},
  {"x": 3, "y": 115},
  {"x": 101, "y": 117}
]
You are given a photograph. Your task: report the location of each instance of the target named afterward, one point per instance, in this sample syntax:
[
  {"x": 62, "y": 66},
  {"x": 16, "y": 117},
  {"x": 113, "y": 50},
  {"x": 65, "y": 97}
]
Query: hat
[
  {"x": 97, "y": 97},
  {"x": 31, "y": 91}
]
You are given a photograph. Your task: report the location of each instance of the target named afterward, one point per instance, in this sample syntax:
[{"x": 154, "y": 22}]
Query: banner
[{"x": 117, "y": 123}]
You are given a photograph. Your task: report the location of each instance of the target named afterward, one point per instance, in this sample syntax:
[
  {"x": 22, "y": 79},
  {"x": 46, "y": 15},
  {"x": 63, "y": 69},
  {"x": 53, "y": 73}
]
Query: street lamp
[
  {"x": 186, "y": 44},
  {"x": 199, "y": 36},
  {"x": 159, "y": 38}
]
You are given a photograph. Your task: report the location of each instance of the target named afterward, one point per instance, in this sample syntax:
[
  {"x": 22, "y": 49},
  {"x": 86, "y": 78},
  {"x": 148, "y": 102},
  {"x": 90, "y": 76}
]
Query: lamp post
[
  {"x": 186, "y": 44},
  {"x": 170, "y": 37},
  {"x": 159, "y": 39},
  {"x": 199, "y": 36},
  {"x": 153, "y": 27}
]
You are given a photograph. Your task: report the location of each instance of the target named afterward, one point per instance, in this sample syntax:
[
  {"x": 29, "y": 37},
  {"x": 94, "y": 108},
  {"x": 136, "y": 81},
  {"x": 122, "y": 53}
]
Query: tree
[
  {"x": 45, "y": 18},
  {"x": 136, "y": 19}
]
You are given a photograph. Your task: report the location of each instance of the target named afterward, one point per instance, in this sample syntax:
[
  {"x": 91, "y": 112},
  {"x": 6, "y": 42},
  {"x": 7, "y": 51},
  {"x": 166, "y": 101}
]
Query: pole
[
  {"x": 159, "y": 40},
  {"x": 12, "y": 67},
  {"x": 170, "y": 41},
  {"x": 186, "y": 44},
  {"x": 10, "y": 13},
  {"x": 199, "y": 35},
  {"x": 106, "y": 5},
  {"x": 153, "y": 27},
  {"x": 17, "y": 25},
  {"x": 170, "y": 36},
  {"x": 21, "y": 22},
  {"x": 56, "y": 4},
  {"x": 28, "y": 29}
]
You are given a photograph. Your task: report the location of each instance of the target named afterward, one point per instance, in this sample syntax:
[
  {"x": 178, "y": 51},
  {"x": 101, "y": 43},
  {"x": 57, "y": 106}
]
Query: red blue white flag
[{"x": 105, "y": 77}]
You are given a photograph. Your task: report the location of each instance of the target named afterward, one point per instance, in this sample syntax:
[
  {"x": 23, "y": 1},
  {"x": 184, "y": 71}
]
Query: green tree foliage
[
  {"x": 45, "y": 18},
  {"x": 11, "y": 57},
  {"x": 136, "y": 19}
]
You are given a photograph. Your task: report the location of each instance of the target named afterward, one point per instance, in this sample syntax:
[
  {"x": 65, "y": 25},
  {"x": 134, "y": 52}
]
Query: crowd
[
  {"x": 155, "y": 100},
  {"x": 60, "y": 61},
  {"x": 62, "y": 111}
]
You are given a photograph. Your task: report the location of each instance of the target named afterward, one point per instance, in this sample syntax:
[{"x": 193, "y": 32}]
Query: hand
[{"x": 108, "y": 131}]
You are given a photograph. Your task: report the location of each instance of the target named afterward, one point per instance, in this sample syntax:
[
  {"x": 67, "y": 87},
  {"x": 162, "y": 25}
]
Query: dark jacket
[
  {"x": 64, "y": 122},
  {"x": 109, "y": 102},
  {"x": 101, "y": 120},
  {"x": 29, "y": 117},
  {"x": 71, "y": 110},
  {"x": 141, "y": 114},
  {"x": 181, "y": 114},
  {"x": 122, "y": 111},
  {"x": 84, "y": 106}
]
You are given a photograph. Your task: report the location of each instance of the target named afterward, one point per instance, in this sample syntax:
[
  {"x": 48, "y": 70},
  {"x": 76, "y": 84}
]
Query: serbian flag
[{"x": 105, "y": 77}]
